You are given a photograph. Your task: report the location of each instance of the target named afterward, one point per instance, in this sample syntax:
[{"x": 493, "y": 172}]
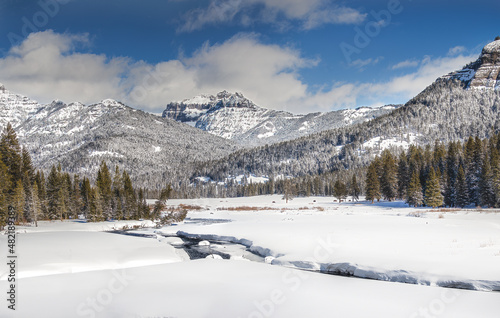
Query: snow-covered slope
[
  {"x": 232, "y": 116},
  {"x": 15, "y": 108},
  {"x": 484, "y": 73}
]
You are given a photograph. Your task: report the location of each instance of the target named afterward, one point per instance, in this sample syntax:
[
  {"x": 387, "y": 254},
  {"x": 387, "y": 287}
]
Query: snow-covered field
[{"x": 74, "y": 269}]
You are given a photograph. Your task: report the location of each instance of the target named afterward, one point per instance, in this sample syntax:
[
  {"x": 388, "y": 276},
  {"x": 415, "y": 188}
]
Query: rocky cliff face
[
  {"x": 190, "y": 110},
  {"x": 232, "y": 116},
  {"x": 484, "y": 73},
  {"x": 488, "y": 73}
]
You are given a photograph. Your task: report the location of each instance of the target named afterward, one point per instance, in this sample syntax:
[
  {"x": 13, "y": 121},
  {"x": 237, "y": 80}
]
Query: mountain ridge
[{"x": 233, "y": 116}]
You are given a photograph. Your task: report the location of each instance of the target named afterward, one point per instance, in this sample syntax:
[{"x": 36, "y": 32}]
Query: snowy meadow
[{"x": 261, "y": 257}]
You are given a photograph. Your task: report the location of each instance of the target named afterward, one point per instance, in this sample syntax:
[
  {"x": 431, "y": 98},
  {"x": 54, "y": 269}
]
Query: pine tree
[
  {"x": 372, "y": 184},
  {"x": 76, "y": 197},
  {"x": 37, "y": 205},
  {"x": 95, "y": 208},
  {"x": 117, "y": 195},
  {"x": 42, "y": 194},
  {"x": 433, "y": 196},
  {"x": 340, "y": 190},
  {"x": 287, "y": 191},
  {"x": 27, "y": 166},
  {"x": 4, "y": 193},
  {"x": 462, "y": 198},
  {"x": 85, "y": 195},
  {"x": 18, "y": 200},
  {"x": 403, "y": 176},
  {"x": 53, "y": 194},
  {"x": 414, "y": 196},
  {"x": 28, "y": 210},
  {"x": 10, "y": 151},
  {"x": 130, "y": 198},
  {"x": 495, "y": 174},
  {"x": 103, "y": 183},
  {"x": 355, "y": 189},
  {"x": 452, "y": 164},
  {"x": 388, "y": 177},
  {"x": 486, "y": 191}
]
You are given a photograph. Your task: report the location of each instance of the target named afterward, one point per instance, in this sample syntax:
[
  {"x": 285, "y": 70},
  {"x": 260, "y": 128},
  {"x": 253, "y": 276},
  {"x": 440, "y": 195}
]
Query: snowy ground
[{"x": 74, "y": 269}]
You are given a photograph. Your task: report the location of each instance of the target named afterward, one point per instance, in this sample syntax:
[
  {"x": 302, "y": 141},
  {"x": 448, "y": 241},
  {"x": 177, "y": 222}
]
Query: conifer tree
[
  {"x": 10, "y": 151},
  {"x": 28, "y": 210},
  {"x": 388, "y": 178},
  {"x": 462, "y": 197},
  {"x": 340, "y": 190},
  {"x": 414, "y": 196},
  {"x": 37, "y": 205},
  {"x": 433, "y": 196},
  {"x": 372, "y": 184},
  {"x": 486, "y": 192},
  {"x": 27, "y": 166},
  {"x": 355, "y": 189},
  {"x": 130, "y": 206},
  {"x": 495, "y": 174},
  {"x": 76, "y": 197},
  {"x": 452, "y": 164},
  {"x": 403, "y": 176},
  {"x": 18, "y": 200},
  {"x": 287, "y": 191},
  {"x": 4, "y": 193},
  {"x": 95, "y": 208},
  {"x": 85, "y": 196},
  {"x": 42, "y": 194},
  {"x": 53, "y": 194},
  {"x": 103, "y": 183}
]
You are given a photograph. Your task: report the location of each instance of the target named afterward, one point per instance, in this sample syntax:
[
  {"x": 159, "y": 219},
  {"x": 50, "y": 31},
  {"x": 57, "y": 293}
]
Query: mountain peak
[
  {"x": 484, "y": 73},
  {"x": 492, "y": 47}
]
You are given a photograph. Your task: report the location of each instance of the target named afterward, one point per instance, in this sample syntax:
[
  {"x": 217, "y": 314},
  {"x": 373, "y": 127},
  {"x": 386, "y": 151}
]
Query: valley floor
[{"x": 74, "y": 269}]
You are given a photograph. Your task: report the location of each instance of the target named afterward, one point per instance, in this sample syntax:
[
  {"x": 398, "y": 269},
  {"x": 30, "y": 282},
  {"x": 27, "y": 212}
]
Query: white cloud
[
  {"x": 405, "y": 64},
  {"x": 359, "y": 63},
  {"x": 310, "y": 14},
  {"x": 456, "y": 50},
  {"x": 46, "y": 67}
]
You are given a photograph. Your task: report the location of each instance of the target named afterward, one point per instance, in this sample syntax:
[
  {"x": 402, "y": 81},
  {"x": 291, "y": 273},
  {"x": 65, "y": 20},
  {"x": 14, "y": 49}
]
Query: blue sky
[{"x": 300, "y": 56}]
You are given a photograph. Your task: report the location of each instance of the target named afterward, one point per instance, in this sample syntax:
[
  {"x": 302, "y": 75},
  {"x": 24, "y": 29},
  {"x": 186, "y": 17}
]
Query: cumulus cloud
[
  {"x": 310, "y": 14},
  {"x": 47, "y": 66}
]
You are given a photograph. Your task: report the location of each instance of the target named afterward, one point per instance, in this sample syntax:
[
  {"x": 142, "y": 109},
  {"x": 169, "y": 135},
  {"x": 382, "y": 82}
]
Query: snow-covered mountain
[
  {"x": 484, "y": 73},
  {"x": 15, "y": 108},
  {"x": 233, "y": 116},
  {"x": 458, "y": 105},
  {"x": 81, "y": 136}
]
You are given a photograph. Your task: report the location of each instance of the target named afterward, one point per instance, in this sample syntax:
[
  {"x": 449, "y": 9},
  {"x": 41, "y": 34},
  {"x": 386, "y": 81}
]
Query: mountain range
[{"x": 167, "y": 149}]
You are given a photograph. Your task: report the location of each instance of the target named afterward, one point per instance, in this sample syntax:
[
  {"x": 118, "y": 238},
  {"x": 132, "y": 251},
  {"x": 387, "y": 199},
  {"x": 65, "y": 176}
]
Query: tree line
[
  {"x": 454, "y": 174},
  {"x": 34, "y": 197}
]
